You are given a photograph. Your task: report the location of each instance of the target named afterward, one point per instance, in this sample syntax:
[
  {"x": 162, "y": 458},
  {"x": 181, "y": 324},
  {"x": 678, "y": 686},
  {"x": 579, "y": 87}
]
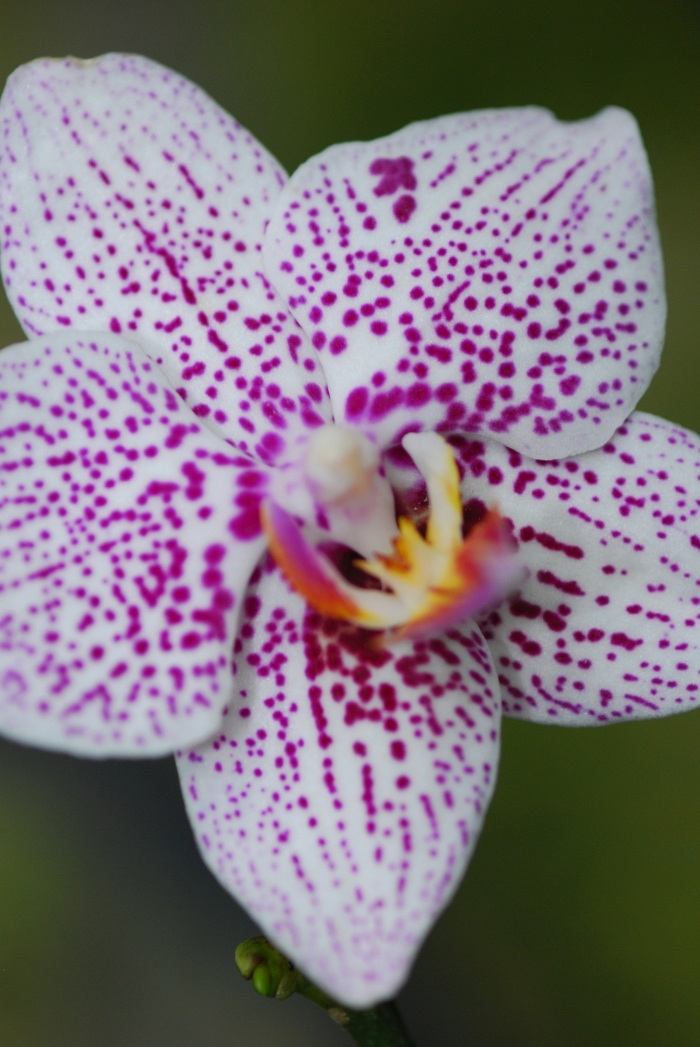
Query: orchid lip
[{"x": 427, "y": 582}]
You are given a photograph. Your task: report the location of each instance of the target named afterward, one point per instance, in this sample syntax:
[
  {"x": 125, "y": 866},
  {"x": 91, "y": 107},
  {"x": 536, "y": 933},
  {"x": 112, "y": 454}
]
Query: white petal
[
  {"x": 496, "y": 271},
  {"x": 127, "y": 534},
  {"x": 345, "y": 793},
  {"x": 607, "y": 627},
  {"x": 131, "y": 202}
]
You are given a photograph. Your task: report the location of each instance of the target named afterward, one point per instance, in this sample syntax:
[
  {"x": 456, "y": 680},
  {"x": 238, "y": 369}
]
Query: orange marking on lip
[{"x": 305, "y": 569}]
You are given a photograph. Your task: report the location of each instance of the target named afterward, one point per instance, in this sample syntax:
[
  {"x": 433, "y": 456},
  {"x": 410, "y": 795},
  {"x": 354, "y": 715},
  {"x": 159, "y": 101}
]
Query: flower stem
[{"x": 274, "y": 975}]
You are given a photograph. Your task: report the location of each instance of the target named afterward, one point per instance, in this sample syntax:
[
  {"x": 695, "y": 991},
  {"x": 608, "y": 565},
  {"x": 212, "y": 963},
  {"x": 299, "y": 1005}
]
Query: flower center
[{"x": 417, "y": 583}]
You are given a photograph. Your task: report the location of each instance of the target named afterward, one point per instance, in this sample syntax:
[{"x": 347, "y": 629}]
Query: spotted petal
[
  {"x": 496, "y": 271},
  {"x": 131, "y": 202},
  {"x": 122, "y": 552},
  {"x": 344, "y": 795},
  {"x": 608, "y": 625}
]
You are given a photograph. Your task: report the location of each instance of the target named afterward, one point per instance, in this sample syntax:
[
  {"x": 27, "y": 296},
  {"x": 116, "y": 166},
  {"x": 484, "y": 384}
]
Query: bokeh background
[{"x": 579, "y": 920}]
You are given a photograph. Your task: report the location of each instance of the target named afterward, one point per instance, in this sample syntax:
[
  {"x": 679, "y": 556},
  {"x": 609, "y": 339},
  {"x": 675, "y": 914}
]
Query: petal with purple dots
[
  {"x": 131, "y": 202},
  {"x": 496, "y": 271},
  {"x": 128, "y": 532},
  {"x": 607, "y": 626},
  {"x": 344, "y": 795}
]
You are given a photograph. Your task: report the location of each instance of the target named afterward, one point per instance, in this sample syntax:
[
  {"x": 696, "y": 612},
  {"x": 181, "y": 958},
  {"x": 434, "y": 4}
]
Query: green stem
[
  {"x": 381, "y": 1026},
  {"x": 274, "y": 975}
]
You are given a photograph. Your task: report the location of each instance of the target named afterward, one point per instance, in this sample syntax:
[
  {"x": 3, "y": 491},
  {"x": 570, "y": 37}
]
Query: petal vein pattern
[
  {"x": 128, "y": 533},
  {"x": 497, "y": 272},
  {"x": 131, "y": 202},
  {"x": 607, "y": 626},
  {"x": 345, "y": 793}
]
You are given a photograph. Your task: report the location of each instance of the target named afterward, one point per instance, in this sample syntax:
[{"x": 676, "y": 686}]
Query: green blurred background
[{"x": 579, "y": 920}]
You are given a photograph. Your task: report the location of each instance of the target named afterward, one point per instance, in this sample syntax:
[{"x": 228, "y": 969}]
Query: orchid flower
[{"x": 393, "y": 368}]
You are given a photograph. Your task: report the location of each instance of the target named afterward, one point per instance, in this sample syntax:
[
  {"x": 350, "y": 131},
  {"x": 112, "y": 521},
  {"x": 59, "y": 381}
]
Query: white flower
[{"x": 193, "y": 318}]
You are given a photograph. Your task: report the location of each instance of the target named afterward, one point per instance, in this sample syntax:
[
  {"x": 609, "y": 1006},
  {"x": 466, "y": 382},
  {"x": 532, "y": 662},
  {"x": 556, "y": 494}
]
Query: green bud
[
  {"x": 262, "y": 980},
  {"x": 272, "y": 973}
]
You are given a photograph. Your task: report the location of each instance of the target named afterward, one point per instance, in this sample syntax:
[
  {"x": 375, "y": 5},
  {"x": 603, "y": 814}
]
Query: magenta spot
[
  {"x": 246, "y": 525},
  {"x": 622, "y": 640},
  {"x": 572, "y": 588},
  {"x": 356, "y": 402},
  {"x": 398, "y": 751},
  {"x": 395, "y": 174},
  {"x": 440, "y": 352},
  {"x": 190, "y": 640},
  {"x": 223, "y": 599},
  {"x": 353, "y": 713},
  {"x": 384, "y": 403},
  {"x": 554, "y": 621},
  {"x": 338, "y": 344},
  {"x": 446, "y": 392},
  {"x": 248, "y": 478},
  {"x": 485, "y": 399},
  {"x": 403, "y": 782},
  {"x": 528, "y": 647},
  {"x": 404, "y": 208},
  {"x": 523, "y": 609},
  {"x": 418, "y": 394},
  {"x": 387, "y": 694},
  {"x": 568, "y": 386},
  {"x": 211, "y": 579}
]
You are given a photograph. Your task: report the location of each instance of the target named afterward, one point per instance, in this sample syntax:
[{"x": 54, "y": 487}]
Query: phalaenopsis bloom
[{"x": 409, "y": 372}]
